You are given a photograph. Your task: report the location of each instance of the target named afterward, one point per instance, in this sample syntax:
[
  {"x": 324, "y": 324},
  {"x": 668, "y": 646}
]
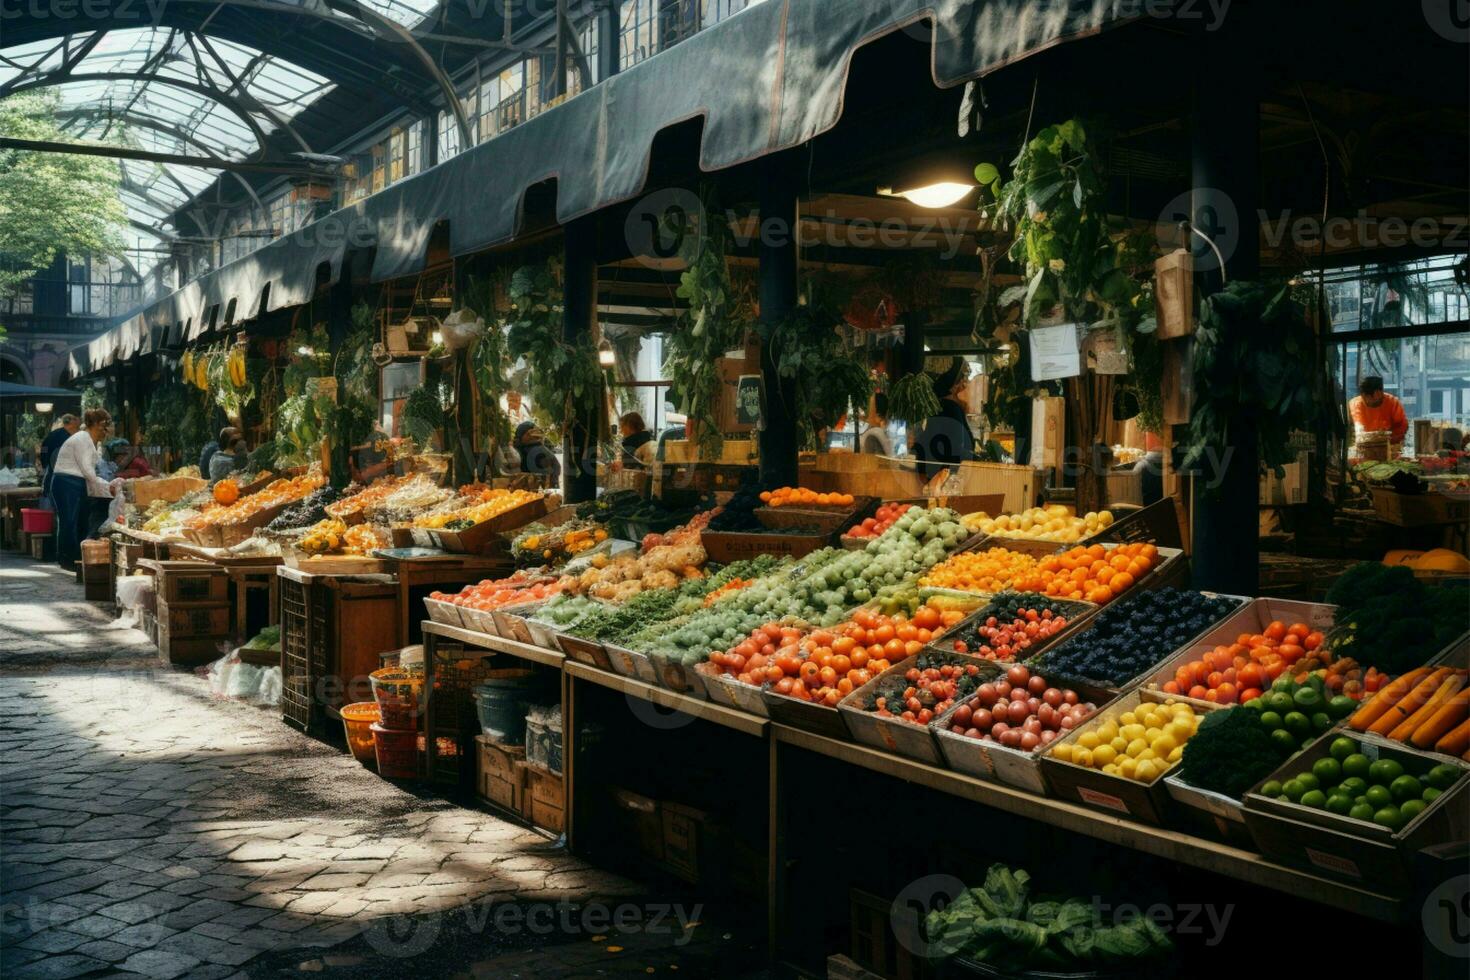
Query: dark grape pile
[{"x": 1133, "y": 634}]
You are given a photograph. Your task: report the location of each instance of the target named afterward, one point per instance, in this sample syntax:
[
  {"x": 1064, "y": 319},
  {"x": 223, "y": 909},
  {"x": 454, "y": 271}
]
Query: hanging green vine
[
  {"x": 309, "y": 414},
  {"x": 1055, "y": 203},
  {"x": 489, "y": 357},
  {"x": 1248, "y": 348},
  {"x": 826, "y": 377},
  {"x": 562, "y": 374},
  {"x": 716, "y": 320},
  {"x": 166, "y": 422}
]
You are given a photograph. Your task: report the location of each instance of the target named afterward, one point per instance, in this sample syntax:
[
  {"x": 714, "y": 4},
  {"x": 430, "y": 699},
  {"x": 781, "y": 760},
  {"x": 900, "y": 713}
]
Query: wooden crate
[
  {"x": 544, "y": 799},
  {"x": 481, "y": 538},
  {"x": 195, "y": 619},
  {"x": 1354, "y": 850},
  {"x": 167, "y": 488},
  {"x": 99, "y": 590},
  {"x": 684, "y": 830},
  {"x": 734, "y": 452},
  {"x": 727, "y": 546},
  {"x": 187, "y": 581},
  {"x": 1149, "y": 803},
  {"x": 1419, "y": 509},
  {"x": 42, "y": 547},
  {"x": 332, "y": 633},
  {"x": 185, "y": 648},
  {"x": 640, "y": 820},
  {"x": 498, "y": 776},
  {"x": 873, "y": 944}
]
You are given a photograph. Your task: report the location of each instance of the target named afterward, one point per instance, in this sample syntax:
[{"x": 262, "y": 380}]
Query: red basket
[
  {"x": 33, "y": 520},
  {"x": 398, "y": 752}
]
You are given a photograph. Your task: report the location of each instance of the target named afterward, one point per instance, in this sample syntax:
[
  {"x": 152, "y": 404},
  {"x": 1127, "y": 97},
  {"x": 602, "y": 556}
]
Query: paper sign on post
[{"x": 1055, "y": 353}]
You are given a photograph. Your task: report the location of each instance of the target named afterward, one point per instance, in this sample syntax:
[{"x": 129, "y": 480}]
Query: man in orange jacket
[{"x": 1375, "y": 410}]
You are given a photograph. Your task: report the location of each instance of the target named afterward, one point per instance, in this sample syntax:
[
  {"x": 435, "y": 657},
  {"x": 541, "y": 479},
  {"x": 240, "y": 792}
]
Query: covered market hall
[{"x": 572, "y": 488}]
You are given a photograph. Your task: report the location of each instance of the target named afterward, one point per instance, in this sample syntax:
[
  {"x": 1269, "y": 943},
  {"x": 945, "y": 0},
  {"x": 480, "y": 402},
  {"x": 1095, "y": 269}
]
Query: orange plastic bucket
[
  {"x": 397, "y": 693},
  {"x": 357, "y": 721},
  {"x": 397, "y": 752}
]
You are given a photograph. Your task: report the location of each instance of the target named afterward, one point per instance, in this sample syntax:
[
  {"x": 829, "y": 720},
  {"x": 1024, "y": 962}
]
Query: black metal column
[
  {"x": 778, "y": 261},
  {"x": 1226, "y": 173},
  {"x": 579, "y": 305}
]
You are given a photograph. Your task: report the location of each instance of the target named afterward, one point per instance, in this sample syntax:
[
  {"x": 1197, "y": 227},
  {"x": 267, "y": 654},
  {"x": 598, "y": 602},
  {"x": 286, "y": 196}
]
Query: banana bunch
[{"x": 235, "y": 363}]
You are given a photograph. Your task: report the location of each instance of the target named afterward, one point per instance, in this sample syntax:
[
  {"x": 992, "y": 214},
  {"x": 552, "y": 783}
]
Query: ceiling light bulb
[
  {"x": 940, "y": 195},
  {"x": 43, "y": 406}
]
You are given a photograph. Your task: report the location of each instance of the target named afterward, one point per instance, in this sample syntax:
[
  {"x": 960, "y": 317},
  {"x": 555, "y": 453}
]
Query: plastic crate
[{"x": 453, "y": 716}]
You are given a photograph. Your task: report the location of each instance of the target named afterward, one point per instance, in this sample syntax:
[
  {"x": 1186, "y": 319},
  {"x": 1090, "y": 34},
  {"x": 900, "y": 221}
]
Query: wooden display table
[{"x": 246, "y": 574}]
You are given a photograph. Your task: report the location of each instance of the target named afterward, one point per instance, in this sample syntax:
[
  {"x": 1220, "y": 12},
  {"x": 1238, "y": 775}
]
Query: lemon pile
[
  {"x": 1141, "y": 744},
  {"x": 1055, "y": 522}
]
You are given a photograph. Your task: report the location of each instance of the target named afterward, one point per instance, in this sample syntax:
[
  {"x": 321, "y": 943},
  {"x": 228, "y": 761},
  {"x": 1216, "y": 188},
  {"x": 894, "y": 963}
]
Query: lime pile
[
  {"x": 1294, "y": 714},
  {"x": 1348, "y": 783}
]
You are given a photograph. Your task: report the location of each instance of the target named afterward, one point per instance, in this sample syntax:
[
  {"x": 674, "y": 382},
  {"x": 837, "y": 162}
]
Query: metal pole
[
  {"x": 1225, "y": 158},
  {"x": 778, "y": 271},
  {"x": 579, "y": 312}
]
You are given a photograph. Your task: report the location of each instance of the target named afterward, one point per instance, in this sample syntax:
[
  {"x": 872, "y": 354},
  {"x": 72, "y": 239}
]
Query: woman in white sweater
[{"x": 74, "y": 482}]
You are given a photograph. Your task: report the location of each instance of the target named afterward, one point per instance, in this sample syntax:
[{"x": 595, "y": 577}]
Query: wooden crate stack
[
  {"x": 97, "y": 570},
  {"x": 193, "y": 611},
  {"x": 506, "y": 780}
]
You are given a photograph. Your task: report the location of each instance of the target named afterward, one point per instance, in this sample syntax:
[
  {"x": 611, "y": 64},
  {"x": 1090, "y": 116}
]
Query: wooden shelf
[
  {"x": 1232, "y": 862},
  {"x": 494, "y": 644},
  {"x": 717, "y": 714}
]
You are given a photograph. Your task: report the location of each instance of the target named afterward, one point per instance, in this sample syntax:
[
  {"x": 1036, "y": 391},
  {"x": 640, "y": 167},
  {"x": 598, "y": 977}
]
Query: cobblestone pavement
[{"x": 148, "y": 828}]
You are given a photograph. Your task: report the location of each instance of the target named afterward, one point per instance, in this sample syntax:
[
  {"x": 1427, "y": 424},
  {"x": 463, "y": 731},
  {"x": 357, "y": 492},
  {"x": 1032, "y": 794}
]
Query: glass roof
[{"x": 172, "y": 112}]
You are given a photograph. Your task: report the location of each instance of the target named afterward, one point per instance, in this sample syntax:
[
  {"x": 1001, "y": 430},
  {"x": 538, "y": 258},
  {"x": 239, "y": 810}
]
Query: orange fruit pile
[
  {"x": 993, "y": 570},
  {"x": 1094, "y": 573},
  {"x": 802, "y": 497}
]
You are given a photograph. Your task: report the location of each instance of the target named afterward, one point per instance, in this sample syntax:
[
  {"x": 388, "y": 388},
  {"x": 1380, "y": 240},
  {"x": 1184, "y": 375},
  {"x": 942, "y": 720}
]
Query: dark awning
[
  {"x": 767, "y": 79},
  {"x": 9, "y": 389}
]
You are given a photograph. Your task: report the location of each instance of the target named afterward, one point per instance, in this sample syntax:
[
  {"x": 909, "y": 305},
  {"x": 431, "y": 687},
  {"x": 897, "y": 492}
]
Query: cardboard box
[
  {"x": 1048, "y": 432},
  {"x": 1288, "y": 489},
  {"x": 498, "y": 776},
  {"x": 1174, "y": 294},
  {"x": 643, "y": 821},
  {"x": 1178, "y": 381},
  {"x": 683, "y": 828},
  {"x": 544, "y": 799}
]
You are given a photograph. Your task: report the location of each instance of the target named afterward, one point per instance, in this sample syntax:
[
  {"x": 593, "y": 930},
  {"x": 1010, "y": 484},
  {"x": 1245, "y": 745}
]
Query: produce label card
[{"x": 1102, "y": 799}]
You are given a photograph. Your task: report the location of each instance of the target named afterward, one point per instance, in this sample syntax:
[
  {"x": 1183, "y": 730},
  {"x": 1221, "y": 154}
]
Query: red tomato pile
[
  {"x": 1241, "y": 671},
  {"x": 516, "y": 590},
  {"x": 1008, "y": 640},
  {"x": 1020, "y": 711},
  {"x": 931, "y": 692},
  {"x": 871, "y": 527}
]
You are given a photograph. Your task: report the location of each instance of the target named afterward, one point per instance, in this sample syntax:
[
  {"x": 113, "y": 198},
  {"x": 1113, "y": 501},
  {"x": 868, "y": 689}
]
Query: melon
[{"x": 1442, "y": 560}]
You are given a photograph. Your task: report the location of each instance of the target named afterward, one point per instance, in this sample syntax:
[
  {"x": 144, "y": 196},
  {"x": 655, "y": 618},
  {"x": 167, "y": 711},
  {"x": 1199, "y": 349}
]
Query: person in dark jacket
[
  {"x": 537, "y": 459},
  {"x": 227, "y": 437},
  {"x": 51, "y": 444},
  {"x": 946, "y": 439},
  {"x": 637, "y": 442}
]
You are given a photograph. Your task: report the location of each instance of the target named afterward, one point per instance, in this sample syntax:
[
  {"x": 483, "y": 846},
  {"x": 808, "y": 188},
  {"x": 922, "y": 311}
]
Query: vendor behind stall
[
  {"x": 638, "y": 443},
  {"x": 227, "y": 462},
  {"x": 537, "y": 459},
  {"x": 946, "y": 438},
  {"x": 1375, "y": 410},
  {"x": 227, "y": 437}
]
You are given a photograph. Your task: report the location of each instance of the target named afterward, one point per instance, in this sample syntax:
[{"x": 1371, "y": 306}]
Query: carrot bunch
[{"x": 1427, "y": 707}]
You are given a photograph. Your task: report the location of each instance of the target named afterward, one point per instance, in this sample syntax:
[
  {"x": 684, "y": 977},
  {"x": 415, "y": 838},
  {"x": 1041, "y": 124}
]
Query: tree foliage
[{"x": 52, "y": 203}]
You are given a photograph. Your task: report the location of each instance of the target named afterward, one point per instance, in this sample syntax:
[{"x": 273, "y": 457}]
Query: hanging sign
[
  {"x": 1055, "y": 352},
  {"x": 748, "y": 399}
]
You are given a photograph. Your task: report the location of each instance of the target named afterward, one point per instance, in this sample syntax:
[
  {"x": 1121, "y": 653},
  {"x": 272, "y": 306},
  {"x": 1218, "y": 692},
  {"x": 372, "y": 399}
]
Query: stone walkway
[{"x": 148, "y": 828}]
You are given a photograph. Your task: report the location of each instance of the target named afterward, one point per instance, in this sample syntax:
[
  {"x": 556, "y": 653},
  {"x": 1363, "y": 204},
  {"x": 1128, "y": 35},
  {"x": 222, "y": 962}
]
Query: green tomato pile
[{"x": 820, "y": 589}]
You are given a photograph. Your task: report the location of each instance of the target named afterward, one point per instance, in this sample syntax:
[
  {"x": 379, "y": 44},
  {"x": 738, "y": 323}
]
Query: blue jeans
[{"x": 72, "y": 512}]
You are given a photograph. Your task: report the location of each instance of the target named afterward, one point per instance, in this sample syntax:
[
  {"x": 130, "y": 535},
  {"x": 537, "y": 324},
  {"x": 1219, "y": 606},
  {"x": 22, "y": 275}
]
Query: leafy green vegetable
[
  {"x": 1229, "y": 753},
  {"x": 995, "y": 924},
  {"x": 912, "y": 398},
  {"x": 1372, "y": 625}
]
